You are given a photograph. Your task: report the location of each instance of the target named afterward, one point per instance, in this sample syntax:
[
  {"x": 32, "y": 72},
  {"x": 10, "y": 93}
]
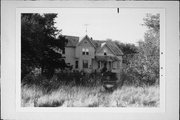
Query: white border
[{"x": 8, "y": 88}]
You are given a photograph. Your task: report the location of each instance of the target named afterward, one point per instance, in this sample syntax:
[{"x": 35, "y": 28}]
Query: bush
[
  {"x": 79, "y": 78},
  {"x": 51, "y": 104},
  {"x": 71, "y": 78},
  {"x": 140, "y": 72}
]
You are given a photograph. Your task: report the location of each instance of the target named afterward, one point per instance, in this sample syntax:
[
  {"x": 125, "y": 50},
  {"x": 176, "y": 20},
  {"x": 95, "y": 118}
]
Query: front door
[
  {"x": 110, "y": 65},
  {"x": 85, "y": 64}
]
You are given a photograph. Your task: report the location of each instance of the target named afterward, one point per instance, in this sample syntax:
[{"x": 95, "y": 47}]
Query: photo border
[{"x": 12, "y": 53}]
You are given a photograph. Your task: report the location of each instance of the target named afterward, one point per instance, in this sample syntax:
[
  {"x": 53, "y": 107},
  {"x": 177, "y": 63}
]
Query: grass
[{"x": 79, "y": 96}]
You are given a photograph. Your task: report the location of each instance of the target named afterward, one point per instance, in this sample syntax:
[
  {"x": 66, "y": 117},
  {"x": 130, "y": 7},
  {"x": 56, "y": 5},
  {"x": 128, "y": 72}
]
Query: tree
[
  {"x": 40, "y": 43},
  {"x": 152, "y": 22},
  {"x": 149, "y": 50},
  {"x": 144, "y": 66},
  {"x": 129, "y": 50}
]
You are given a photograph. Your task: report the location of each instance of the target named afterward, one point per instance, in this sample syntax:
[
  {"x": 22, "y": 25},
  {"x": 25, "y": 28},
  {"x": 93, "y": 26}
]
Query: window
[
  {"x": 87, "y": 51},
  {"x": 114, "y": 65},
  {"x": 83, "y": 51},
  {"x": 110, "y": 65},
  {"x": 85, "y": 63},
  {"x": 76, "y": 64},
  {"x": 118, "y": 65},
  {"x": 105, "y": 53}
]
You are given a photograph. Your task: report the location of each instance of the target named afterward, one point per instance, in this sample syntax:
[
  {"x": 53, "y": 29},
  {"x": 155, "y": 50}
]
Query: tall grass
[{"x": 95, "y": 96}]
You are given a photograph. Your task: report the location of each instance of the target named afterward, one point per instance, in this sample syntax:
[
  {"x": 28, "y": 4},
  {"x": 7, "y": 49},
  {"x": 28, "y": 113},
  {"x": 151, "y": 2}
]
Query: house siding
[
  {"x": 70, "y": 55},
  {"x": 78, "y": 52},
  {"x": 87, "y": 45},
  {"x": 101, "y": 52},
  {"x": 94, "y": 64}
]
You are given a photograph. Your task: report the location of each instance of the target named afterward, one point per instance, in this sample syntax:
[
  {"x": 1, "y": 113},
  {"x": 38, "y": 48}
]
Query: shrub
[
  {"x": 139, "y": 73},
  {"x": 51, "y": 104},
  {"x": 72, "y": 78}
]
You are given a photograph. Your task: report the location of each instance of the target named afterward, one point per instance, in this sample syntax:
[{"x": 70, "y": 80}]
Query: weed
[{"x": 80, "y": 96}]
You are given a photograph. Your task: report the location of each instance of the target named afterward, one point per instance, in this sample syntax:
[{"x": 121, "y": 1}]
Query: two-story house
[{"x": 89, "y": 55}]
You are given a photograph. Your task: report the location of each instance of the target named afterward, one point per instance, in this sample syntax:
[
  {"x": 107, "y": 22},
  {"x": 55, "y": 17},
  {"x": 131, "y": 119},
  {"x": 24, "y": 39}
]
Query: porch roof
[{"x": 106, "y": 58}]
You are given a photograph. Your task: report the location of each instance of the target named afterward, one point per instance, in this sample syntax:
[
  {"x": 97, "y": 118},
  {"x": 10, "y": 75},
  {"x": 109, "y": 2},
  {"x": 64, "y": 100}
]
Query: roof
[
  {"x": 72, "y": 41},
  {"x": 115, "y": 49},
  {"x": 89, "y": 39},
  {"x": 107, "y": 58},
  {"x": 98, "y": 43},
  {"x": 112, "y": 46}
]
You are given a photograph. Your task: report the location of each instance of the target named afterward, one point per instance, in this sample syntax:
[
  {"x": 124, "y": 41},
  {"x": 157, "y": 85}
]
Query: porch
[{"x": 112, "y": 63}]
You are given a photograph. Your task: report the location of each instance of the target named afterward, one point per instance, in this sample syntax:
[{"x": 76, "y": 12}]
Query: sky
[{"x": 104, "y": 23}]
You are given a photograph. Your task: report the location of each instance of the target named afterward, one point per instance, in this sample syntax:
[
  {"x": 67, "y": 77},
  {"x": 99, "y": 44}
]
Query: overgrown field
[{"x": 79, "y": 96}]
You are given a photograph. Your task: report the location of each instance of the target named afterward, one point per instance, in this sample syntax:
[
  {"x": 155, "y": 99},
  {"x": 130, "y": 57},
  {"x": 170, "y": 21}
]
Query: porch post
[{"x": 110, "y": 64}]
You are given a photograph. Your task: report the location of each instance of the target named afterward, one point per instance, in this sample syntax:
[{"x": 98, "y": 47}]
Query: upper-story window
[
  {"x": 85, "y": 51},
  {"x": 105, "y": 52}
]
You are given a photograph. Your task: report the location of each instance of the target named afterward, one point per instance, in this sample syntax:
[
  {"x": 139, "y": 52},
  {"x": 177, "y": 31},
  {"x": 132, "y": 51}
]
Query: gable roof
[
  {"x": 98, "y": 43},
  {"x": 89, "y": 39},
  {"x": 115, "y": 49},
  {"x": 72, "y": 41},
  {"x": 112, "y": 47}
]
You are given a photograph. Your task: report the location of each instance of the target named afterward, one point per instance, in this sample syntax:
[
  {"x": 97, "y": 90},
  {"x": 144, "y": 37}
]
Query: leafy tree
[
  {"x": 152, "y": 22},
  {"x": 144, "y": 66},
  {"x": 149, "y": 49},
  {"x": 129, "y": 50},
  {"x": 40, "y": 43}
]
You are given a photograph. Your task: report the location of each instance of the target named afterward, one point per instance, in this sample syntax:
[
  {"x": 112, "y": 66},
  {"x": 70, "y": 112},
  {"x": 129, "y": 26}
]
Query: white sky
[{"x": 104, "y": 23}]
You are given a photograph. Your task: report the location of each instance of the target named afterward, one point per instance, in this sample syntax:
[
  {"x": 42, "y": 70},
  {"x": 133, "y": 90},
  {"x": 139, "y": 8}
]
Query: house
[{"x": 90, "y": 55}]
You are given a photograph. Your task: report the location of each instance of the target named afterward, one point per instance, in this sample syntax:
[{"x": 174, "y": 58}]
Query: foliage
[
  {"x": 40, "y": 43},
  {"x": 152, "y": 22},
  {"x": 144, "y": 66},
  {"x": 128, "y": 49},
  {"x": 64, "y": 77}
]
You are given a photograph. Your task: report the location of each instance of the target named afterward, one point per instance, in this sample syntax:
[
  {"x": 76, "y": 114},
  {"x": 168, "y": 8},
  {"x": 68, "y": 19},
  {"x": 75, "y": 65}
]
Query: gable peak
[{"x": 86, "y": 37}]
